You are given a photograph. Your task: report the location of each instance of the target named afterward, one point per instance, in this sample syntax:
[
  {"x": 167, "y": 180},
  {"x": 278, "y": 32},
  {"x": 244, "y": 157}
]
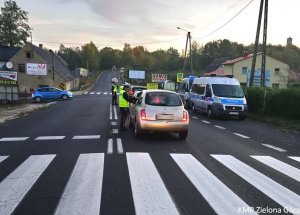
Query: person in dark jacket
[{"x": 124, "y": 100}]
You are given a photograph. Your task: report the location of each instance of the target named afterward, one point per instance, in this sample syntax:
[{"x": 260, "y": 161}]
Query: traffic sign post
[{"x": 179, "y": 77}]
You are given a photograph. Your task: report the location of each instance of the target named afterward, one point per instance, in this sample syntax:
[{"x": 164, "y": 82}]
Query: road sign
[
  {"x": 159, "y": 77},
  {"x": 152, "y": 86},
  {"x": 179, "y": 77}
]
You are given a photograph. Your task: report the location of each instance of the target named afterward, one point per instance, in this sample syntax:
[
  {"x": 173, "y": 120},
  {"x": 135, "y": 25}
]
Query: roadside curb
[{"x": 15, "y": 113}]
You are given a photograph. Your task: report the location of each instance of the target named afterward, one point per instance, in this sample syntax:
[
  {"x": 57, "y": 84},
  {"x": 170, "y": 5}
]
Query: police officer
[
  {"x": 114, "y": 90},
  {"x": 124, "y": 100}
]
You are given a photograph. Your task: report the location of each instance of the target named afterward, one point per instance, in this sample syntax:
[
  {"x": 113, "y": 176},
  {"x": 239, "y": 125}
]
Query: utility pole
[
  {"x": 188, "y": 41},
  {"x": 263, "y": 62},
  {"x": 256, "y": 44}
]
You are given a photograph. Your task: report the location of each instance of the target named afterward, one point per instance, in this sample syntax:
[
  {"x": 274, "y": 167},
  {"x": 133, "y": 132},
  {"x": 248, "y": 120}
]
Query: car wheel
[
  {"x": 137, "y": 131},
  {"x": 183, "y": 134},
  {"x": 64, "y": 97},
  {"x": 210, "y": 112},
  {"x": 38, "y": 99},
  {"x": 193, "y": 108}
]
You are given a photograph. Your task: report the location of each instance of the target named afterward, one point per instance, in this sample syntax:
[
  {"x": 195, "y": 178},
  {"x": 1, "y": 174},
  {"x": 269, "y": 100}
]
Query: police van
[
  {"x": 184, "y": 90},
  {"x": 218, "y": 96}
]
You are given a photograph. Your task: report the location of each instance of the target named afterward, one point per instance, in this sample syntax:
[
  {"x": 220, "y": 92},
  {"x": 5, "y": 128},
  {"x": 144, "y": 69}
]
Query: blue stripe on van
[{"x": 232, "y": 101}]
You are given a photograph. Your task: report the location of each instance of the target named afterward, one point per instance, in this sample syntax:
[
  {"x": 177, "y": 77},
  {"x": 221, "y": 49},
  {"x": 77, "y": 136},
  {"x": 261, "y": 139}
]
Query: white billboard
[
  {"x": 11, "y": 75},
  {"x": 36, "y": 69},
  {"x": 136, "y": 74},
  {"x": 159, "y": 77}
]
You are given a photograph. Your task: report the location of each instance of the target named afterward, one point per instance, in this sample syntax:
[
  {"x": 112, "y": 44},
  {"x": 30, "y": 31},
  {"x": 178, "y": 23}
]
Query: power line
[{"x": 227, "y": 21}]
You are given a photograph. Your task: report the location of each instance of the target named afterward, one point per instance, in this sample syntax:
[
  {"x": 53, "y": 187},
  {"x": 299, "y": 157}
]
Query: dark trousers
[
  {"x": 114, "y": 99},
  {"x": 124, "y": 113}
]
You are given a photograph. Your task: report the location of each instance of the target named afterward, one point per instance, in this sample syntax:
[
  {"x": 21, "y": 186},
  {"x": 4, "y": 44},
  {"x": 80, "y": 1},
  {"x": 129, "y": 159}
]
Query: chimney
[{"x": 41, "y": 46}]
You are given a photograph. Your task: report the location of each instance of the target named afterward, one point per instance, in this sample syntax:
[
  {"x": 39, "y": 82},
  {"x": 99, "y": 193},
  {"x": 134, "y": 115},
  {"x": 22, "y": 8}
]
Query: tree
[
  {"x": 71, "y": 55},
  {"x": 13, "y": 24},
  {"x": 90, "y": 57}
]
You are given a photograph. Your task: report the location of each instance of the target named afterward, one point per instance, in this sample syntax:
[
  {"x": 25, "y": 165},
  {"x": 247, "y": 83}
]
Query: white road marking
[
  {"x": 110, "y": 148},
  {"x": 2, "y": 158},
  {"x": 15, "y": 186},
  {"x": 98, "y": 93},
  {"x": 82, "y": 194},
  {"x": 110, "y": 112},
  {"x": 86, "y": 137},
  {"x": 4, "y": 139},
  {"x": 120, "y": 146},
  {"x": 105, "y": 93},
  {"x": 115, "y": 113},
  {"x": 218, "y": 195},
  {"x": 85, "y": 93},
  {"x": 50, "y": 138},
  {"x": 205, "y": 121},
  {"x": 194, "y": 117},
  {"x": 114, "y": 123},
  {"x": 110, "y": 93},
  {"x": 274, "y": 190},
  {"x": 274, "y": 147},
  {"x": 149, "y": 193},
  {"x": 295, "y": 158},
  {"x": 241, "y": 135},
  {"x": 280, "y": 166},
  {"x": 115, "y": 131},
  {"x": 220, "y": 127},
  {"x": 92, "y": 93}
]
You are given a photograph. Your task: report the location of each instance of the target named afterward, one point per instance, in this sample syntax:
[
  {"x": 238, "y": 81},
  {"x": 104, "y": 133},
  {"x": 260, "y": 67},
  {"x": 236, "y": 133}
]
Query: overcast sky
[{"x": 153, "y": 23}]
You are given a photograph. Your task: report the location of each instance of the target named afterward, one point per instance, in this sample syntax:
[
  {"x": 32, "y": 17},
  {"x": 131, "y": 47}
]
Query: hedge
[{"x": 274, "y": 102}]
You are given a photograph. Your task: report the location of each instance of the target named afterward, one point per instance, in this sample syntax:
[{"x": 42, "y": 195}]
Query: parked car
[
  {"x": 135, "y": 89},
  {"x": 50, "y": 93},
  {"x": 159, "y": 110}
]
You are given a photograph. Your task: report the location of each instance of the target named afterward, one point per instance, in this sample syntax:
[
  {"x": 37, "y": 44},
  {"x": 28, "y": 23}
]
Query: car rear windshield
[
  {"x": 162, "y": 99},
  {"x": 139, "y": 88},
  {"x": 230, "y": 91}
]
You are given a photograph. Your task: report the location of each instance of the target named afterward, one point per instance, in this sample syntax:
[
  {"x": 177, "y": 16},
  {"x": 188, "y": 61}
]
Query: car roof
[{"x": 158, "y": 90}]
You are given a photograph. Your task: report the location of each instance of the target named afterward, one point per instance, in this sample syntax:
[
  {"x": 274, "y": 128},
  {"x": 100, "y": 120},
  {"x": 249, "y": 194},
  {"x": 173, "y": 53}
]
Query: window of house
[
  {"x": 277, "y": 71},
  {"x": 21, "y": 68},
  {"x": 275, "y": 85},
  {"x": 29, "y": 54},
  {"x": 244, "y": 70}
]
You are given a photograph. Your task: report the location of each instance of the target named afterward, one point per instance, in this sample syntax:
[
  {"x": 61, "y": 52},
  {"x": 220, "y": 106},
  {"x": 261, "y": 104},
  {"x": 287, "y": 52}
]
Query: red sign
[{"x": 159, "y": 77}]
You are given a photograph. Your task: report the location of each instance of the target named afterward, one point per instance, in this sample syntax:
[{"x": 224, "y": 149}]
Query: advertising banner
[
  {"x": 10, "y": 75},
  {"x": 159, "y": 77},
  {"x": 36, "y": 69},
  {"x": 257, "y": 78}
]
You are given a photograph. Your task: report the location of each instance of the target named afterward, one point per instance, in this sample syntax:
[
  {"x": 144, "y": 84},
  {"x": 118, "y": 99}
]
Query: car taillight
[
  {"x": 143, "y": 114},
  {"x": 185, "y": 116}
]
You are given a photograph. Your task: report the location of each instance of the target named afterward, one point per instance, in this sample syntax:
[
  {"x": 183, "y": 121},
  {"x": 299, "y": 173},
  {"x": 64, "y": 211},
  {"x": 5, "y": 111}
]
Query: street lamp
[
  {"x": 188, "y": 40},
  {"x": 50, "y": 50}
]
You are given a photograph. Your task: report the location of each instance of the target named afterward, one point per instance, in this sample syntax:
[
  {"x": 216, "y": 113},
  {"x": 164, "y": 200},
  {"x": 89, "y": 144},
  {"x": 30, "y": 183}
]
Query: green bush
[{"x": 274, "y": 102}]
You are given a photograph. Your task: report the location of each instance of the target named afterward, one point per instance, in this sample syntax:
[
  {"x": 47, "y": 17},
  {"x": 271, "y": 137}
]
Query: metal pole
[
  {"x": 256, "y": 44},
  {"x": 263, "y": 61},
  {"x": 186, "y": 43},
  {"x": 191, "y": 56}
]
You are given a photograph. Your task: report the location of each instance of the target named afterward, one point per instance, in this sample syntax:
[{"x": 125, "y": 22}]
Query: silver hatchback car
[{"x": 159, "y": 110}]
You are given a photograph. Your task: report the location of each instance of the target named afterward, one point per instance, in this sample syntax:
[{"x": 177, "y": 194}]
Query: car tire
[
  {"x": 183, "y": 134},
  {"x": 64, "y": 97},
  {"x": 38, "y": 99},
  {"x": 210, "y": 112},
  {"x": 193, "y": 108},
  {"x": 137, "y": 131}
]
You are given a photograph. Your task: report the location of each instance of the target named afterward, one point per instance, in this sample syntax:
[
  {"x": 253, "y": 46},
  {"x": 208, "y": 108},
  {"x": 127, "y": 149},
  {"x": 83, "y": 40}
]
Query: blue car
[{"x": 50, "y": 93}]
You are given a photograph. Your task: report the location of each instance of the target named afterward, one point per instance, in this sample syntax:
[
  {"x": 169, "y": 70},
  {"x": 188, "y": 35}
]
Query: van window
[
  {"x": 230, "y": 91},
  {"x": 198, "y": 88},
  {"x": 182, "y": 86}
]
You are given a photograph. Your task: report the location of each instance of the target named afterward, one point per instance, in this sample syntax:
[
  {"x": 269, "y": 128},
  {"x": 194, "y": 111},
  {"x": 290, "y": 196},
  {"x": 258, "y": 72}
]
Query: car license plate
[
  {"x": 233, "y": 113},
  {"x": 165, "y": 116}
]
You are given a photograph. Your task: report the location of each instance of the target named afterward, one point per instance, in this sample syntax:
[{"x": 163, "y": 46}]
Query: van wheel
[
  {"x": 210, "y": 112},
  {"x": 242, "y": 118}
]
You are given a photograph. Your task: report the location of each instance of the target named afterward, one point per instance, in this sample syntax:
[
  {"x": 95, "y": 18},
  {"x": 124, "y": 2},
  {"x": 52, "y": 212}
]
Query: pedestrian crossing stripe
[
  {"x": 82, "y": 193},
  {"x": 15, "y": 186},
  {"x": 295, "y": 158},
  {"x": 275, "y": 191}
]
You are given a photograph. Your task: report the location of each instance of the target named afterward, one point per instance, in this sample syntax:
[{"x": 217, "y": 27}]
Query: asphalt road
[{"x": 71, "y": 158}]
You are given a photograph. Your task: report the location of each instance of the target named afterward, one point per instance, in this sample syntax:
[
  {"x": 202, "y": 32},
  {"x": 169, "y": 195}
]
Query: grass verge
[{"x": 278, "y": 121}]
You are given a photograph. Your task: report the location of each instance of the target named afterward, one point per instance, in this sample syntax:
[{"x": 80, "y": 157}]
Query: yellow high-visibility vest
[{"x": 123, "y": 103}]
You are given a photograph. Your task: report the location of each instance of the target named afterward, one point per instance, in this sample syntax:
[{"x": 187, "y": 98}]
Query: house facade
[
  {"x": 37, "y": 66},
  {"x": 276, "y": 72}
]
